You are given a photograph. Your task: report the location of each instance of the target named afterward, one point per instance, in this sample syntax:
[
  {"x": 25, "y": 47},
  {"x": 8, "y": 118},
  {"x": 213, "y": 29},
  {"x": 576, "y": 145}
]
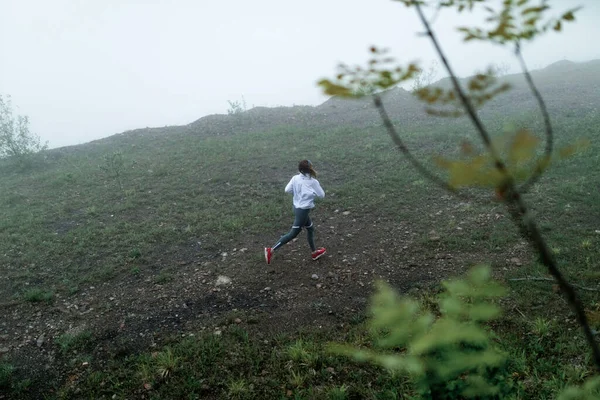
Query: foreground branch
[
  {"x": 515, "y": 203},
  {"x": 537, "y": 173},
  {"x": 389, "y": 125},
  {"x": 529, "y": 230}
]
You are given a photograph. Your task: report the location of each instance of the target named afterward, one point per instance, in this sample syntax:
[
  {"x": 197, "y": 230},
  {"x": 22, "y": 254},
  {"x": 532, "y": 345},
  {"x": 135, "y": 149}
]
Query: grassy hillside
[{"x": 110, "y": 252}]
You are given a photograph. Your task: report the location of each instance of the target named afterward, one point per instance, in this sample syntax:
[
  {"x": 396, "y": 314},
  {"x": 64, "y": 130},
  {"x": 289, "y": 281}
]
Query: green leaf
[
  {"x": 483, "y": 312},
  {"x": 589, "y": 391}
]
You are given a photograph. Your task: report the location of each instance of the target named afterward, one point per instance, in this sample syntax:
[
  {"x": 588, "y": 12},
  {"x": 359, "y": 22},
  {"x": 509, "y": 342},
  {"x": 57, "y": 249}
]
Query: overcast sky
[{"x": 86, "y": 69}]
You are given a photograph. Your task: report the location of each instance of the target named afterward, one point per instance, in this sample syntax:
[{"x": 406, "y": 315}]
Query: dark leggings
[{"x": 301, "y": 220}]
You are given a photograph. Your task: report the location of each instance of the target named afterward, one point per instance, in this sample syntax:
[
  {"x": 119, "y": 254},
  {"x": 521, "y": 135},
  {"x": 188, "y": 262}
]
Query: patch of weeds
[
  {"x": 297, "y": 379},
  {"x": 21, "y": 386},
  {"x": 6, "y": 373},
  {"x": 318, "y": 306},
  {"x": 134, "y": 254},
  {"x": 238, "y": 389},
  {"x": 71, "y": 342},
  {"x": 37, "y": 295},
  {"x": 102, "y": 274},
  {"x": 163, "y": 277},
  {"x": 303, "y": 353},
  {"x": 358, "y": 318},
  {"x": 541, "y": 327},
  {"x": 92, "y": 211},
  {"x": 240, "y": 333},
  {"x": 166, "y": 363},
  {"x": 338, "y": 393}
]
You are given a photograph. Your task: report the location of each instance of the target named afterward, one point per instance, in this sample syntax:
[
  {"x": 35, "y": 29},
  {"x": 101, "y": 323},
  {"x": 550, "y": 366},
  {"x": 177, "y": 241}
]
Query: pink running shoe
[
  {"x": 318, "y": 253},
  {"x": 268, "y": 254}
]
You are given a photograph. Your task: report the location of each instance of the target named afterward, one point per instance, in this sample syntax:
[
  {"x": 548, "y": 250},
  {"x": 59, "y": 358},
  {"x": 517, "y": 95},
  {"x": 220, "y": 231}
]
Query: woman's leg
[
  {"x": 300, "y": 217},
  {"x": 310, "y": 234}
]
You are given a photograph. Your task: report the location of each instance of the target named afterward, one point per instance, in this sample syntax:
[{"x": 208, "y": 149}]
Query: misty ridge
[{"x": 570, "y": 89}]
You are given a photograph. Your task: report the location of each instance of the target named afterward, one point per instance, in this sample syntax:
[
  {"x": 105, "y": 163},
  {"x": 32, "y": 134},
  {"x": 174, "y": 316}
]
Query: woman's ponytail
[{"x": 306, "y": 167}]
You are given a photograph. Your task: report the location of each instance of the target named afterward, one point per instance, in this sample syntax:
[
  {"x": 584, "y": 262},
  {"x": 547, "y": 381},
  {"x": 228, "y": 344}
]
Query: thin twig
[
  {"x": 520, "y": 312},
  {"x": 532, "y": 278},
  {"x": 435, "y": 16},
  {"x": 537, "y": 173},
  {"x": 499, "y": 164},
  {"x": 516, "y": 205},
  {"x": 387, "y": 122},
  {"x": 535, "y": 278}
]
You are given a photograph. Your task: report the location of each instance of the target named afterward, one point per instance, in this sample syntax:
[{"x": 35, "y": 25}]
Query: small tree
[
  {"x": 236, "y": 107},
  {"x": 501, "y": 69},
  {"x": 113, "y": 167},
  {"x": 510, "y": 166},
  {"x": 425, "y": 77},
  {"x": 16, "y": 140}
]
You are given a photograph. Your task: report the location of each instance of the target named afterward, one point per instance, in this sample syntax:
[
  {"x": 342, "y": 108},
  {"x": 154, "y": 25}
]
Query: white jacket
[{"x": 304, "y": 188}]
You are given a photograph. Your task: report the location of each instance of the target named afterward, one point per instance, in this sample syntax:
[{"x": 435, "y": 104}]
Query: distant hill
[{"x": 567, "y": 87}]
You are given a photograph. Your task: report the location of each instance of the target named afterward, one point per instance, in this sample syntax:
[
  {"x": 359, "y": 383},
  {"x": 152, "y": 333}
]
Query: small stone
[
  {"x": 267, "y": 288},
  {"x": 222, "y": 280},
  {"x": 346, "y": 213},
  {"x": 319, "y": 285},
  {"x": 40, "y": 340},
  {"x": 314, "y": 276},
  {"x": 237, "y": 321},
  {"x": 217, "y": 333}
]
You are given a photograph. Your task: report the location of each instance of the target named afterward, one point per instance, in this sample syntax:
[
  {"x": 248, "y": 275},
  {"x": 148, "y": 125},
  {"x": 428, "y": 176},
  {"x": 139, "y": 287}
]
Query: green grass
[
  {"x": 69, "y": 342},
  {"x": 36, "y": 295},
  {"x": 69, "y": 224},
  {"x": 228, "y": 366},
  {"x": 6, "y": 372}
]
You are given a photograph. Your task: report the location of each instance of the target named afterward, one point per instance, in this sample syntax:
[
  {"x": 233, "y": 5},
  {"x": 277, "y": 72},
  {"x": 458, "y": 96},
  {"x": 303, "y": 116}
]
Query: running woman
[{"x": 305, "y": 187}]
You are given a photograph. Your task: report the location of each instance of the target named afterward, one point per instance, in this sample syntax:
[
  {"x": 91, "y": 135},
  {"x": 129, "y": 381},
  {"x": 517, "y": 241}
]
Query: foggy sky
[{"x": 86, "y": 69}]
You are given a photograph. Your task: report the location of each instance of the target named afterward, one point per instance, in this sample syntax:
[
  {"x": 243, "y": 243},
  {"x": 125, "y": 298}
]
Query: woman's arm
[
  {"x": 289, "y": 188},
  {"x": 317, "y": 188}
]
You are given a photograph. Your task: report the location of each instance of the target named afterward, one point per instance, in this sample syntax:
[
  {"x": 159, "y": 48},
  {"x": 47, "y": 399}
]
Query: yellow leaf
[
  {"x": 522, "y": 147},
  {"x": 333, "y": 89},
  {"x": 570, "y": 150},
  {"x": 536, "y": 10},
  {"x": 568, "y": 16}
]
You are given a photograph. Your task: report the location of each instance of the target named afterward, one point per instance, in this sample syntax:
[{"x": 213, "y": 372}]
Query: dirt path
[{"x": 133, "y": 314}]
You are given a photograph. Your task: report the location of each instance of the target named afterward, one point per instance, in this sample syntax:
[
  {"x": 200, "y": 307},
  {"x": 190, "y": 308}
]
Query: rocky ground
[{"x": 232, "y": 286}]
